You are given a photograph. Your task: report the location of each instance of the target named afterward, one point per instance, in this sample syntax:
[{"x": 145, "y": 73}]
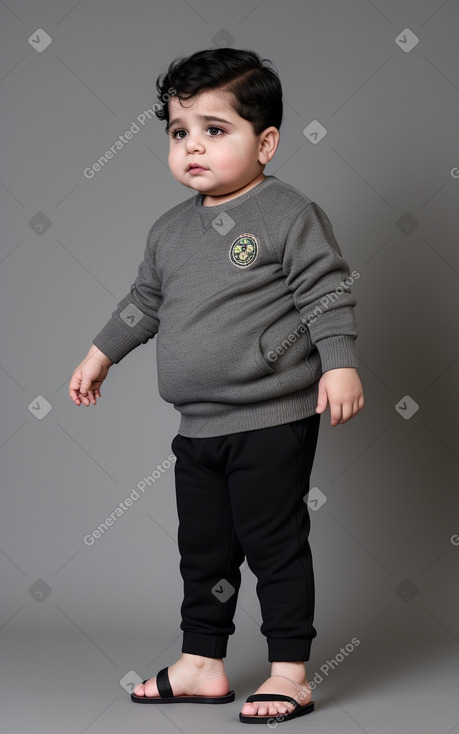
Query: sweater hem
[{"x": 251, "y": 416}]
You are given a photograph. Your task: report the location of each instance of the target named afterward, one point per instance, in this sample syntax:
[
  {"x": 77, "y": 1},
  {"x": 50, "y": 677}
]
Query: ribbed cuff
[
  {"x": 206, "y": 645},
  {"x": 289, "y": 650},
  {"x": 115, "y": 340},
  {"x": 336, "y": 352}
]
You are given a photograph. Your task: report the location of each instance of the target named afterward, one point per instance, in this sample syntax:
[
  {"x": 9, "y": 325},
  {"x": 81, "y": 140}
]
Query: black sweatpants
[{"x": 243, "y": 495}]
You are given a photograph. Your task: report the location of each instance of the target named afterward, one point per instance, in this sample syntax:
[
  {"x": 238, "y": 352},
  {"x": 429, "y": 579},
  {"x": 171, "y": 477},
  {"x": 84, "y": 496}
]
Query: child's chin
[{"x": 189, "y": 184}]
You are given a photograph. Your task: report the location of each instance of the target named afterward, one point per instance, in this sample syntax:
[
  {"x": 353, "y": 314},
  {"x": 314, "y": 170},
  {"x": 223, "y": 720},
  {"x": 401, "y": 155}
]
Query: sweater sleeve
[
  {"x": 319, "y": 279},
  {"x": 135, "y": 319}
]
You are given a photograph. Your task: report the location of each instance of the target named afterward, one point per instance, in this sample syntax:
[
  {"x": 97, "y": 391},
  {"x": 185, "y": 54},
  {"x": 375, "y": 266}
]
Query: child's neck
[{"x": 209, "y": 200}]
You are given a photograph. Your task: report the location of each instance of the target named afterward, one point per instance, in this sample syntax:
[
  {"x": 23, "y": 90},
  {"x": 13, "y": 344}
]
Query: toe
[
  {"x": 255, "y": 709},
  {"x": 151, "y": 689},
  {"x": 148, "y": 689},
  {"x": 267, "y": 708},
  {"x": 285, "y": 708}
]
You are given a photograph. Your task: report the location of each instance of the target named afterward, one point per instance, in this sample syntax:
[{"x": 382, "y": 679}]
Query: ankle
[
  {"x": 294, "y": 670},
  {"x": 200, "y": 661}
]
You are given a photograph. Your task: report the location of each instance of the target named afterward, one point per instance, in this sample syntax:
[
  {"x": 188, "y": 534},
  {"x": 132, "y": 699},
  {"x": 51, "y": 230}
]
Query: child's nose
[{"x": 194, "y": 143}]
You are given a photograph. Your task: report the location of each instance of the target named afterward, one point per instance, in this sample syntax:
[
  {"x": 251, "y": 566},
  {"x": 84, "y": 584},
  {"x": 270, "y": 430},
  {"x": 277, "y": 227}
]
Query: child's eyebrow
[{"x": 207, "y": 118}]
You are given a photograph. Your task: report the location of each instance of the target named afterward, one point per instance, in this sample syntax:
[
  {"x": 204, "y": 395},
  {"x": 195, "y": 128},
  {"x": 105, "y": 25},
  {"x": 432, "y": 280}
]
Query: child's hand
[
  {"x": 88, "y": 377},
  {"x": 342, "y": 389}
]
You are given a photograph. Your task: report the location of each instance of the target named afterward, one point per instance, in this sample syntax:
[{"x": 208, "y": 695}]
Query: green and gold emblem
[{"x": 244, "y": 250}]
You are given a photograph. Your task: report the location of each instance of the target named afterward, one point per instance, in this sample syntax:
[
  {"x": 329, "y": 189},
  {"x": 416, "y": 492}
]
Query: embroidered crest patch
[{"x": 244, "y": 250}]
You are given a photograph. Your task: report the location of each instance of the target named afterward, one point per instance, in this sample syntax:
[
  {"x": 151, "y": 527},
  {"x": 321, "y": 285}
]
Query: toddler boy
[{"x": 246, "y": 290}]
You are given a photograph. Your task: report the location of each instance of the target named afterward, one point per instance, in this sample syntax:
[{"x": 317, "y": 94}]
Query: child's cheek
[
  {"x": 172, "y": 160},
  {"x": 228, "y": 162}
]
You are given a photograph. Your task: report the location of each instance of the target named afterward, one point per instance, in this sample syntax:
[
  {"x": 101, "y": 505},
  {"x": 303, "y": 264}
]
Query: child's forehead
[{"x": 208, "y": 102}]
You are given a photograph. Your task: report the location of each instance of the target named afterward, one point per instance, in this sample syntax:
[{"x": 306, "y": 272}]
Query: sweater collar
[{"x": 212, "y": 211}]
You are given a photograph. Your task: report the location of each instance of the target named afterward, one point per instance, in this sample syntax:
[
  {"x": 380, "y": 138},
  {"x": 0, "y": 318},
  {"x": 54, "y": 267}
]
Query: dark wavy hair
[{"x": 256, "y": 87}]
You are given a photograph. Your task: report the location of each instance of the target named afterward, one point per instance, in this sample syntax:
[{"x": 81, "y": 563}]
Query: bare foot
[
  {"x": 293, "y": 683},
  {"x": 192, "y": 675}
]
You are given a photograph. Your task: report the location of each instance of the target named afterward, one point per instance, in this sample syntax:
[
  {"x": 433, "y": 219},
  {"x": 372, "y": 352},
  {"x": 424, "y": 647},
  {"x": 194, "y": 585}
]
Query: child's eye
[
  {"x": 212, "y": 130},
  {"x": 180, "y": 134}
]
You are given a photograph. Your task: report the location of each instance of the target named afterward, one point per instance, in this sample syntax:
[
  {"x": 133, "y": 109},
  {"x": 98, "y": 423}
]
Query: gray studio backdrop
[{"x": 370, "y": 133}]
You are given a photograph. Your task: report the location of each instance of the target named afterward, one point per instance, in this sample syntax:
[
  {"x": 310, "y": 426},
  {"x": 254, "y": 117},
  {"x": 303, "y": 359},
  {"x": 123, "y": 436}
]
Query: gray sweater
[{"x": 250, "y": 302}]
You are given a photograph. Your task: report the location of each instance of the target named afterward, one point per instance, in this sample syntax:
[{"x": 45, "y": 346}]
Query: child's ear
[{"x": 269, "y": 140}]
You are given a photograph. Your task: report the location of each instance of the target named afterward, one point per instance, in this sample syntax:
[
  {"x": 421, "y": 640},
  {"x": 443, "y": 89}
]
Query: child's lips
[{"x": 193, "y": 169}]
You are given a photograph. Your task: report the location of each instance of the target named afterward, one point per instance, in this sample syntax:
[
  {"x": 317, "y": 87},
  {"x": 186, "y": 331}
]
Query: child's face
[{"x": 206, "y": 132}]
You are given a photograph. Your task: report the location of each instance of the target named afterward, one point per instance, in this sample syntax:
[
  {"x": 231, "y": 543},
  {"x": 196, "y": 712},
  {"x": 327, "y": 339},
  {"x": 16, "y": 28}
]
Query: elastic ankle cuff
[
  {"x": 288, "y": 651},
  {"x": 207, "y": 645}
]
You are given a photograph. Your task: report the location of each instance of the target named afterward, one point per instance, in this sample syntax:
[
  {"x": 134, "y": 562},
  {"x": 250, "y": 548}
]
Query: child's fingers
[
  {"x": 94, "y": 395},
  {"x": 84, "y": 387},
  {"x": 90, "y": 397},
  {"x": 335, "y": 413},
  {"x": 74, "y": 395},
  {"x": 322, "y": 398},
  {"x": 74, "y": 388},
  {"x": 354, "y": 408},
  {"x": 347, "y": 412}
]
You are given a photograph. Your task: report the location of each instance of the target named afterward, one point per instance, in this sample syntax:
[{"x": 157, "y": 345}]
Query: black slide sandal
[
  {"x": 278, "y": 718},
  {"x": 166, "y": 695}
]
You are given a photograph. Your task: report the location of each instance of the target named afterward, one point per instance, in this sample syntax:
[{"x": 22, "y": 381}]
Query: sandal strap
[
  {"x": 272, "y": 697},
  {"x": 278, "y": 675},
  {"x": 163, "y": 684}
]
